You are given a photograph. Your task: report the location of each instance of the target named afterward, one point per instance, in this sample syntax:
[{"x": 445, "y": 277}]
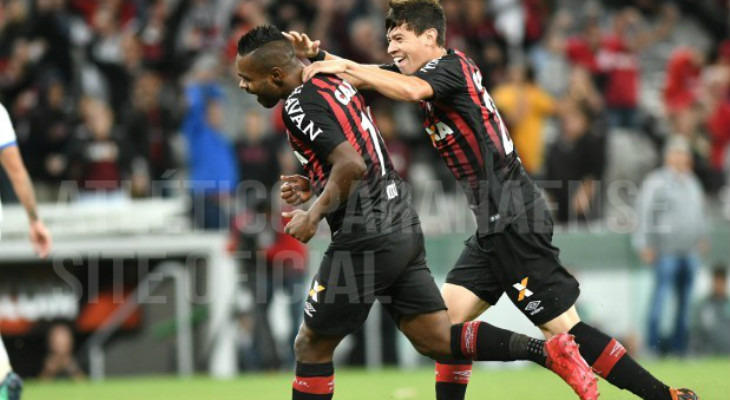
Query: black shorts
[
  {"x": 390, "y": 268},
  {"x": 525, "y": 265}
]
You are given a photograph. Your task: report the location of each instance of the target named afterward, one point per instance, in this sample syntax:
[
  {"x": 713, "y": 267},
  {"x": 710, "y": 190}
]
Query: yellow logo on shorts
[
  {"x": 524, "y": 291},
  {"x": 316, "y": 288}
]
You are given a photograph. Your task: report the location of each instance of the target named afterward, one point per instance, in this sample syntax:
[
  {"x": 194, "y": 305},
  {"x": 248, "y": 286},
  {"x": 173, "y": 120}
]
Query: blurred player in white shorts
[{"x": 10, "y": 159}]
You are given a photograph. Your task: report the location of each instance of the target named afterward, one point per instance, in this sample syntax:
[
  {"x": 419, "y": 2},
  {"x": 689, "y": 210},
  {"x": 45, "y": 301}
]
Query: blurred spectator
[
  {"x": 575, "y": 164},
  {"x": 686, "y": 123},
  {"x": 582, "y": 49},
  {"x": 211, "y": 157},
  {"x": 365, "y": 44},
  {"x": 682, "y": 81},
  {"x": 151, "y": 126},
  {"x": 272, "y": 260},
  {"x": 258, "y": 153},
  {"x": 18, "y": 73},
  {"x": 712, "y": 319},
  {"x": 400, "y": 153},
  {"x": 51, "y": 31},
  {"x": 717, "y": 103},
  {"x": 582, "y": 90},
  {"x": 525, "y": 106},
  {"x": 46, "y": 150},
  {"x": 670, "y": 234},
  {"x": 100, "y": 157},
  {"x": 549, "y": 60},
  {"x": 618, "y": 60},
  {"x": 60, "y": 363}
]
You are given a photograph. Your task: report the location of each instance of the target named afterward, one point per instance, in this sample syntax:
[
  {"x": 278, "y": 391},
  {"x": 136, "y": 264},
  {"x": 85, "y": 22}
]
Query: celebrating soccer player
[
  {"x": 377, "y": 249},
  {"x": 512, "y": 250}
]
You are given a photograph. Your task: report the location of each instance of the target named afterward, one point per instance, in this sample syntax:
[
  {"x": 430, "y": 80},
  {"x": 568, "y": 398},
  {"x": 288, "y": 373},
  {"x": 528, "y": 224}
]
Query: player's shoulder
[{"x": 452, "y": 60}]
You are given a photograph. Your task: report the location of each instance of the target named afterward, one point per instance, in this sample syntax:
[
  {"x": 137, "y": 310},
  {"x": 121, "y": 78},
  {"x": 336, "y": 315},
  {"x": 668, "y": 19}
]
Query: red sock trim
[
  {"x": 469, "y": 339},
  {"x": 315, "y": 384},
  {"x": 448, "y": 373},
  {"x": 608, "y": 359}
]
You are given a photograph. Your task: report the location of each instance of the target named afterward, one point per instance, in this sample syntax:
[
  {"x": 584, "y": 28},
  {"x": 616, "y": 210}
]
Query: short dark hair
[
  {"x": 258, "y": 37},
  {"x": 418, "y": 15}
]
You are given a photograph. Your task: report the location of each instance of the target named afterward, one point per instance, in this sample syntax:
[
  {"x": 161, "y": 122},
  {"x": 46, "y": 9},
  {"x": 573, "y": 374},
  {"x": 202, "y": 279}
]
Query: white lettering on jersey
[
  {"x": 439, "y": 131},
  {"x": 294, "y": 109},
  {"x": 301, "y": 158},
  {"x": 345, "y": 92},
  {"x": 430, "y": 65},
  {"x": 509, "y": 147}
]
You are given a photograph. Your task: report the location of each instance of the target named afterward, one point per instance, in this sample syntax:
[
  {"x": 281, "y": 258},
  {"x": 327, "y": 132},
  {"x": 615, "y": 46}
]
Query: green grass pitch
[{"x": 710, "y": 378}]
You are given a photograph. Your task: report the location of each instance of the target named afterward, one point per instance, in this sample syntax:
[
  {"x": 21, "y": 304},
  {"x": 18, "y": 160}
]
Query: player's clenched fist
[
  {"x": 302, "y": 225},
  {"x": 295, "y": 190}
]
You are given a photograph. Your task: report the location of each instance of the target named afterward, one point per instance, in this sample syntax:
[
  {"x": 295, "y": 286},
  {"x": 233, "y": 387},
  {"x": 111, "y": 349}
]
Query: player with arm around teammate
[
  {"x": 512, "y": 250},
  {"x": 377, "y": 250}
]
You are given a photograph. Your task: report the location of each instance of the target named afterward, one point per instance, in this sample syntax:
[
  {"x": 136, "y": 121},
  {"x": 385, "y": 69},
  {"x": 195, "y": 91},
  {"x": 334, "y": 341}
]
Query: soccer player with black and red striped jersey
[
  {"x": 377, "y": 249},
  {"x": 512, "y": 250}
]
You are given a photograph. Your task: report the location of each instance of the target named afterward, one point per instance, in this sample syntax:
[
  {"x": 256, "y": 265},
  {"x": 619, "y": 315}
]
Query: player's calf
[
  {"x": 609, "y": 360},
  {"x": 315, "y": 373}
]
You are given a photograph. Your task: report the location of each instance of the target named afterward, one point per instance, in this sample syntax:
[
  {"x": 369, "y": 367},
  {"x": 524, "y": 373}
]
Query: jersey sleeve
[
  {"x": 445, "y": 76},
  {"x": 313, "y": 122},
  {"x": 389, "y": 67},
  {"x": 7, "y": 133}
]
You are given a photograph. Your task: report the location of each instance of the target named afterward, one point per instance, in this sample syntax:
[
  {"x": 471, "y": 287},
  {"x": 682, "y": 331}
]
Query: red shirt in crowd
[
  {"x": 682, "y": 79},
  {"x": 621, "y": 67},
  {"x": 580, "y": 53}
]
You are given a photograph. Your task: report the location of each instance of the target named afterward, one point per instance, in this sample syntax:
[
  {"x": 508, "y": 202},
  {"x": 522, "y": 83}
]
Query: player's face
[
  {"x": 410, "y": 52},
  {"x": 257, "y": 82}
]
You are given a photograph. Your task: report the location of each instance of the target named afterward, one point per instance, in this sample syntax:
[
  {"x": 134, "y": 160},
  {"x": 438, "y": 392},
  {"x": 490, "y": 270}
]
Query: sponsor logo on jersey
[
  {"x": 294, "y": 110},
  {"x": 522, "y": 289},
  {"x": 314, "y": 293}
]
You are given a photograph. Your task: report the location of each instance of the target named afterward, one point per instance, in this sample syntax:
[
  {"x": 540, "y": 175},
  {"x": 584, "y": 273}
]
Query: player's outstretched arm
[
  {"x": 12, "y": 161},
  {"x": 347, "y": 168},
  {"x": 304, "y": 47},
  {"x": 390, "y": 84}
]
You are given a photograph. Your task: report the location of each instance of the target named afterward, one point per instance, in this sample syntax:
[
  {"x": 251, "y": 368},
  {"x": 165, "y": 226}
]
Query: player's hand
[
  {"x": 648, "y": 256},
  {"x": 302, "y": 225},
  {"x": 338, "y": 66},
  {"x": 40, "y": 239},
  {"x": 295, "y": 190},
  {"x": 304, "y": 47}
]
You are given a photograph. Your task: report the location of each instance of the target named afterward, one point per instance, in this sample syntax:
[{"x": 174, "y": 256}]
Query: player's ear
[
  {"x": 431, "y": 35},
  {"x": 277, "y": 75}
]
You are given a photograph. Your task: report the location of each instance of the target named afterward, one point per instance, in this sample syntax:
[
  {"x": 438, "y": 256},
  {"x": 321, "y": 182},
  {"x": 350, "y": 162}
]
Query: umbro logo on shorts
[
  {"x": 522, "y": 288},
  {"x": 533, "y": 305},
  {"x": 309, "y": 309}
]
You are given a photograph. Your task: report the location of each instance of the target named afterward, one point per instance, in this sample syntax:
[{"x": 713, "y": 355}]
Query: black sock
[
  {"x": 609, "y": 359},
  {"x": 451, "y": 379},
  {"x": 314, "y": 382},
  {"x": 480, "y": 341}
]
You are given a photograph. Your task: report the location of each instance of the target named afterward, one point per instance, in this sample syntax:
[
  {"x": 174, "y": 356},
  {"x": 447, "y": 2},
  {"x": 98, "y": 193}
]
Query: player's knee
[
  {"x": 304, "y": 345},
  {"x": 436, "y": 347}
]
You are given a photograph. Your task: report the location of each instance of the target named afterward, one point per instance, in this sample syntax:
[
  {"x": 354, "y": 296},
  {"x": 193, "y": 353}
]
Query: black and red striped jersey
[
  {"x": 470, "y": 136},
  {"x": 320, "y": 115}
]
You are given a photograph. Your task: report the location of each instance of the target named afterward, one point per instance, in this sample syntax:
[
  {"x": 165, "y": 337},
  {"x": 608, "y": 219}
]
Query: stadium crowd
[{"x": 115, "y": 95}]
